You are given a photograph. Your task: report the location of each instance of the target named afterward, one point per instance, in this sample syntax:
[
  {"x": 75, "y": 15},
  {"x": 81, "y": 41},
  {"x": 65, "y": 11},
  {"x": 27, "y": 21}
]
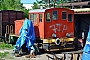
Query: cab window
[
  {"x": 40, "y": 18},
  {"x": 69, "y": 17},
  {"x": 47, "y": 17},
  {"x": 33, "y": 17},
  {"x": 64, "y": 15},
  {"x": 54, "y": 15}
]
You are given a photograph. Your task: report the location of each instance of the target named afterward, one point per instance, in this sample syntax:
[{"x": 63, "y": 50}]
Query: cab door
[
  {"x": 41, "y": 25},
  {"x": 47, "y": 24},
  {"x": 51, "y": 23}
]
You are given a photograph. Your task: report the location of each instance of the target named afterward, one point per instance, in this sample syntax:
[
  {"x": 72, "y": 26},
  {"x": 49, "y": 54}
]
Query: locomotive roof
[
  {"x": 38, "y": 10},
  {"x": 42, "y": 10},
  {"x": 81, "y": 10}
]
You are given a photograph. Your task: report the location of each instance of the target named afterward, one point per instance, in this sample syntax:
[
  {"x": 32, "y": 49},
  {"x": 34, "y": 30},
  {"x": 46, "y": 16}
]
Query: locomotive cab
[{"x": 55, "y": 27}]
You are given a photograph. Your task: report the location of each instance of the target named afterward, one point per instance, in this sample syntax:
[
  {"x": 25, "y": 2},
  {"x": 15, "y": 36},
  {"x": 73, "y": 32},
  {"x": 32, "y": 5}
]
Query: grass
[
  {"x": 2, "y": 55},
  {"x": 5, "y": 46},
  {"x": 6, "y": 55}
]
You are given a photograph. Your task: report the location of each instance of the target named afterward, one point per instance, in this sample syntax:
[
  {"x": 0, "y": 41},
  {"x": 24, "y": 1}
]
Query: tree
[
  {"x": 47, "y": 3},
  {"x": 25, "y": 12},
  {"x": 13, "y": 5},
  {"x": 35, "y": 6}
]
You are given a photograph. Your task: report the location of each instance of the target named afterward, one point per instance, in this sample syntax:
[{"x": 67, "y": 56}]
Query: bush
[
  {"x": 6, "y": 46},
  {"x": 2, "y": 55}
]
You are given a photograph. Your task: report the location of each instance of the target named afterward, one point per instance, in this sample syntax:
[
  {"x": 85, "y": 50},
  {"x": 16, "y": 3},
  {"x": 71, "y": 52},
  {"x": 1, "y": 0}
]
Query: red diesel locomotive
[{"x": 53, "y": 26}]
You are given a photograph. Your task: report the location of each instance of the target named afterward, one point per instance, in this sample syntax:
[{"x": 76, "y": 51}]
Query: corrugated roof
[
  {"x": 37, "y": 10},
  {"x": 11, "y": 10},
  {"x": 82, "y": 10}
]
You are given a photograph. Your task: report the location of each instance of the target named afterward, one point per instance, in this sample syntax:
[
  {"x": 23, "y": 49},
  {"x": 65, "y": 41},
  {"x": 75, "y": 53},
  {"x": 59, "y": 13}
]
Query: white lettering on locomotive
[{"x": 57, "y": 27}]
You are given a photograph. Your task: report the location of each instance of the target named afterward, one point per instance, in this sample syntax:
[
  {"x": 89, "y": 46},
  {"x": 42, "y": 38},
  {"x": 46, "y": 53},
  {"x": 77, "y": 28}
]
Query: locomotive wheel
[{"x": 57, "y": 41}]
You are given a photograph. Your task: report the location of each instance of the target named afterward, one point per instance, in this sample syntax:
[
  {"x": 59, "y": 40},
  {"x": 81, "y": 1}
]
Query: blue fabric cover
[
  {"x": 27, "y": 35},
  {"x": 86, "y": 49}
]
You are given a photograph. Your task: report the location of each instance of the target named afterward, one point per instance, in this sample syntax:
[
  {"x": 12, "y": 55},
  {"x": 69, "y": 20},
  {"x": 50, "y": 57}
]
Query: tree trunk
[
  {"x": 54, "y": 3},
  {"x": 49, "y": 3}
]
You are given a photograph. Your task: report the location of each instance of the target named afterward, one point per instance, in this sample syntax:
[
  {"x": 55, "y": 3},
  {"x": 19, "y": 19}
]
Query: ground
[
  {"x": 41, "y": 56},
  {"x": 10, "y": 56},
  {"x": 6, "y": 53}
]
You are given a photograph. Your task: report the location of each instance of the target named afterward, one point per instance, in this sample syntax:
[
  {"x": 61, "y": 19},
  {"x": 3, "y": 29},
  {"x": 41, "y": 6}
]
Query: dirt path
[
  {"x": 10, "y": 56},
  {"x": 42, "y": 56}
]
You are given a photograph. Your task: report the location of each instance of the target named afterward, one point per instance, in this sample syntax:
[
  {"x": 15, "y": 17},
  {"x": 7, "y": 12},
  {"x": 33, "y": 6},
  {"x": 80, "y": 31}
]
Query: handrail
[{"x": 9, "y": 29}]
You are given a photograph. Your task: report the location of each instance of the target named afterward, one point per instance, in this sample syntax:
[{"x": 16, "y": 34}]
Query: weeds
[
  {"x": 2, "y": 55},
  {"x": 6, "y": 46}
]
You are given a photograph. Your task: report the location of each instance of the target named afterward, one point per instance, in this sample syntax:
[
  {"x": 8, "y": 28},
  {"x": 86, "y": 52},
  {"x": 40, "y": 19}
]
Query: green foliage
[
  {"x": 53, "y": 3},
  {"x": 10, "y": 4},
  {"x": 6, "y": 46},
  {"x": 13, "y": 5},
  {"x": 25, "y": 12},
  {"x": 45, "y": 3},
  {"x": 2, "y": 55},
  {"x": 35, "y": 5}
]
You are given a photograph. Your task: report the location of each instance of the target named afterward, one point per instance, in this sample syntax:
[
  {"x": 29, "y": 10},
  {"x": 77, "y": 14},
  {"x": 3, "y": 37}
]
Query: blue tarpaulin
[
  {"x": 86, "y": 49},
  {"x": 27, "y": 35}
]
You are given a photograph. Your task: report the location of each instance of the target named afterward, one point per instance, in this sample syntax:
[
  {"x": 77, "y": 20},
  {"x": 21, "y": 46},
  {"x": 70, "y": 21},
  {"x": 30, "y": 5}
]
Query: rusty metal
[
  {"x": 7, "y": 17},
  {"x": 49, "y": 57},
  {"x": 0, "y": 24},
  {"x": 86, "y": 3},
  {"x": 54, "y": 57},
  {"x": 19, "y": 15}
]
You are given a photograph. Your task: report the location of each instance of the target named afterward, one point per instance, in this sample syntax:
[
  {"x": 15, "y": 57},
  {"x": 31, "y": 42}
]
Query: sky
[{"x": 27, "y": 1}]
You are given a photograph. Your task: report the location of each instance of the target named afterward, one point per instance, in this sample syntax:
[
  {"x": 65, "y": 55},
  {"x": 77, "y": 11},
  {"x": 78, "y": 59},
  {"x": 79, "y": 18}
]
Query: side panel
[
  {"x": 18, "y": 25},
  {"x": 5, "y": 22},
  {"x": 41, "y": 26},
  {"x": 12, "y": 17},
  {"x": 38, "y": 26},
  {"x": 19, "y": 15},
  {"x": 8, "y": 18},
  {"x": 0, "y": 23},
  {"x": 5, "y": 16}
]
